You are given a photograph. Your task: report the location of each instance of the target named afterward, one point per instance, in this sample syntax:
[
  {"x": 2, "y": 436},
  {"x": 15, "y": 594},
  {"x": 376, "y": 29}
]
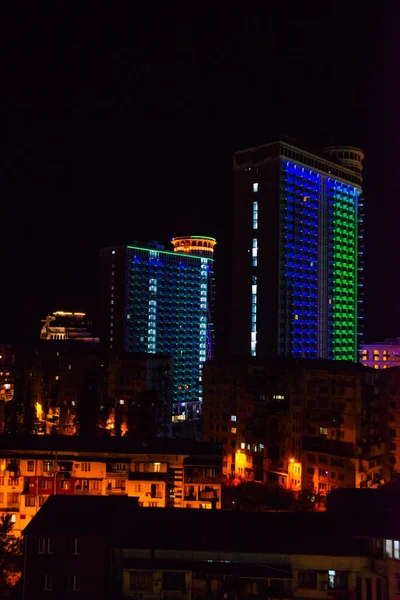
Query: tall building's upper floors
[{"x": 297, "y": 245}]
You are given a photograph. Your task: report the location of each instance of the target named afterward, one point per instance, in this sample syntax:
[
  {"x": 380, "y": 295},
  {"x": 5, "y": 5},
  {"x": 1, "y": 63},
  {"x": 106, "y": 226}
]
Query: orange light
[{"x": 291, "y": 460}]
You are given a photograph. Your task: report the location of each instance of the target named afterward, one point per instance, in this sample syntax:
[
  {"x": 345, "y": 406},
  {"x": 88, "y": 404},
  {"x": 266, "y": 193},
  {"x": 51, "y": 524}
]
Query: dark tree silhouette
[
  {"x": 88, "y": 409},
  {"x": 10, "y": 557}
]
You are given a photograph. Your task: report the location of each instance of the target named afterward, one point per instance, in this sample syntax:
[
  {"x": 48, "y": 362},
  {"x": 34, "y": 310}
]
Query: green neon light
[{"x": 169, "y": 252}]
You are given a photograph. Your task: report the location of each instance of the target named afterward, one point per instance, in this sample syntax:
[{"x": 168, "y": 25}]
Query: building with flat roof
[
  {"x": 297, "y": 252},
  {"x": 381, "y": 355},
  {"x": 63, "y": 325},
  {"x": 109, "y": 548},
  {"x": 158, "y": 301}
]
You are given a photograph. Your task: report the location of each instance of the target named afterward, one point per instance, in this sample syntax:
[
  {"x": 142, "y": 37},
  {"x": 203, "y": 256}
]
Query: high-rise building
[
  {"x": 158, "y": 301},
  {"x": 297, "y": 252}
]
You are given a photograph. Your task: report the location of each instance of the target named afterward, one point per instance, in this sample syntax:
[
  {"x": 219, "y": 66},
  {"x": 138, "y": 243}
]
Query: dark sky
[{"x": 121, "y": 126}]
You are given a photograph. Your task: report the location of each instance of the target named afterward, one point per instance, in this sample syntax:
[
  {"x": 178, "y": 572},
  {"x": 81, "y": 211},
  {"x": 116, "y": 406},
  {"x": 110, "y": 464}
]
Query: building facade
[
  {"x": 158, "y": 301},
  {"x": 108, "y": 548},
  {"x": 305, "y": 424},
  {"x": 297, "y": 252},
  {"x": 381, "y": 355},
  {"x": 161, "y": 475}
]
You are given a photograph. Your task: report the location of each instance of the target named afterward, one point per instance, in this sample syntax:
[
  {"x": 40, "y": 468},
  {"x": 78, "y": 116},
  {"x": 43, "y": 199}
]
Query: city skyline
[{"x": 153, "y": 158}]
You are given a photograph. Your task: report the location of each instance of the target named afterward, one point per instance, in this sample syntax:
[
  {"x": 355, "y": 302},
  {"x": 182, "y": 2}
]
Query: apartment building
[
  {"x": 305, "y": 424},
  {"x": 166, "y": 473},
  {"x": 107, "y": 548}
]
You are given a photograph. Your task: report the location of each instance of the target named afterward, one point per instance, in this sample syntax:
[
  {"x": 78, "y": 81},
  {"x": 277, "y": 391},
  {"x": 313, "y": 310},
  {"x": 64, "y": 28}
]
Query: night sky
[{"x": 120, "y": 126}]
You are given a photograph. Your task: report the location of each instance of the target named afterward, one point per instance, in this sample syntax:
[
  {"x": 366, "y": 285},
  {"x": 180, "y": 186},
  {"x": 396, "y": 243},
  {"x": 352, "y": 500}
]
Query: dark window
[
  {"x": 308, "y": 579},
  {"x": 75, "y": 545},
  {"x": 141, "y": 581},
  {"x": 368, "y": 584},
  {"x": 378, "y": 588},
  {"x": 359, "y": 588},
  {"x": 30, "y": 500},
  {"x": 31, "y": 465},
  {"x": 46, "y": 545},
  {"x": 397, "y": 584}
]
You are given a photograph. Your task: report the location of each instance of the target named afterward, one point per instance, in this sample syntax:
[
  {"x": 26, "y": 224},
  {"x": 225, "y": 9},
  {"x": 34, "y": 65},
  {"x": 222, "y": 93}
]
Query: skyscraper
[
  {"x": 297, "y": 252},
  {"x": 159, "y": 301}
]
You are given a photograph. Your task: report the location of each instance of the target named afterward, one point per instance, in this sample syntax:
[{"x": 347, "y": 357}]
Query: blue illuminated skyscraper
[
  {"x": 297, "y": 252},
  {"x": 160, "y": 301}
]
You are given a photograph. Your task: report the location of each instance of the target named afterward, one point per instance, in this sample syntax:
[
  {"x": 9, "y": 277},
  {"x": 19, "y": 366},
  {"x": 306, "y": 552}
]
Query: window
[
  {"x": 396, "y": 547},
  {"x": 13, "y": 498},
  {"x": 75, "y": 545},
  {"x": 397, "y": 584},
  {"x": 209, "y": 472},
  {"x": 47, "y": 466},
  {"x": 46, "y": 545},
  {"x": 48, "y": 583},
  {"x": 75, "y": 583},
  {"x": 359, "y": 588},
  {"x": 157, "y": 467},
  {"x": 141, "y": 581},
  {"x": 44, "y": 484},
  {"x": 368, "y": 584},
  {"x": 153, "y": 504},
  {"x": 378, "y": 588},
  {"x": 65, "y": 485},
  {"x": 1, "y": 497},
  {"x": 323, "y": 431},
  {"x": 30, "y": 500},
  {"x": 85, "y": 466},
  {"x": 31, "y": 465},
  {"x": 308, "y": 579},
  {"x": 1, "y": 480},
  {"x": 389, "y": 548},
  {"x": 233, "y": 418},
  {"x": 42, "y": 500},
  {"x": 255, "y": 187},
  {"x": 233, "y": 430},
  {"x": 95, "y": 485},
  {"x": 310, "y": 470},
  {"x": 120, "y": 467},
  {"x": 323, "y": 473},
  {"x": 341, "y": 477}
]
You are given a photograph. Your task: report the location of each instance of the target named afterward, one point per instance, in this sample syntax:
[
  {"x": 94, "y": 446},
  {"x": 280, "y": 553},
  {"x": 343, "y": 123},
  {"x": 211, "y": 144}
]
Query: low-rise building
[
  {"x": 108, "y": 548},
  {"x": 381, "y": 355},
  {"x": 172, "y": 473}
]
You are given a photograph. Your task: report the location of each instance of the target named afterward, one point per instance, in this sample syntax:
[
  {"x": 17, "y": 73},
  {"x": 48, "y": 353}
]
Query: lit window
[
  {"x": 157, "y": 467},
  {"x": 233, "y": 430},
  {"x": 296, "y": 317},
  {"x": 255, "y": 187},
  {"x": 113, "y": 252},
  {"x": 323, "y": 431},
  {"x": 242, "y": 445},
  {"x": 233, "y": 418},
  {"x": 255, "y": 215}
]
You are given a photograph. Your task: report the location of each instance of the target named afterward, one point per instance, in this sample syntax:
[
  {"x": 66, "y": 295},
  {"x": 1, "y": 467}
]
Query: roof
[
  {"x": 13, "y": 445},
  {"x": 287, "y": 362},
  {"x": 127, "y": 526}
]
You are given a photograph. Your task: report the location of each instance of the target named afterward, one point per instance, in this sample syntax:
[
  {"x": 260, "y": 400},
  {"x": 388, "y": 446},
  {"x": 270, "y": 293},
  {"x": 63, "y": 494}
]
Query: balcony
[{"x": 83, "y": 492}]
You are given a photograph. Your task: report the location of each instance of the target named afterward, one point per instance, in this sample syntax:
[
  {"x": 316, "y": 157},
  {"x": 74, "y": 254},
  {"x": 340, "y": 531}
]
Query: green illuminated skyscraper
[
  {"x": 298, "y": 246},
  {"x": 162, "y": 302}
]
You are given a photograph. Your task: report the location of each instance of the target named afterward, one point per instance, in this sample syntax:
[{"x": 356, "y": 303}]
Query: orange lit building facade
[
  {"x": 381, "y": 355},
  {"x": 303, "y": 424},
  {"x": 158, "y": 478}
]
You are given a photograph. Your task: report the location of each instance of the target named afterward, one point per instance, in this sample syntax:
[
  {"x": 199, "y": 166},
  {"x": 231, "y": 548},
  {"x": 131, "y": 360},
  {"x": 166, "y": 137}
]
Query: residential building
[
  {"x": 163, "y": 473},
  {"x": 108, "y": 548},
  {"x": 158, "y": 301},
  {"x": 297, "y": 252},
  {"x": 63, "y": 325},
  {"x": 302, "y": 423},
  {"x": 381, "y": 355},
  {"x": 143, "y": 382}
]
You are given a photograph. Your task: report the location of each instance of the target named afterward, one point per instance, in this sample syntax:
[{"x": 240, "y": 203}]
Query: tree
[
  {"x": 87, "y": 411},
  {"x": 29, "y": 423},
  {"x": 10, "y": 556}
]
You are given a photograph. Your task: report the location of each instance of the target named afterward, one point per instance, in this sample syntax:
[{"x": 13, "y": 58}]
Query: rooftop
[{"x": 207, "y": 530}]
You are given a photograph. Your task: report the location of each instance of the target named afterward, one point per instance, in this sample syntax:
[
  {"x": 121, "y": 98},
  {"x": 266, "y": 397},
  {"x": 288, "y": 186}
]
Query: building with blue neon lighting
[
  {"x": 298, "y": 246},
  {"x": 162, "y": 302}
]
